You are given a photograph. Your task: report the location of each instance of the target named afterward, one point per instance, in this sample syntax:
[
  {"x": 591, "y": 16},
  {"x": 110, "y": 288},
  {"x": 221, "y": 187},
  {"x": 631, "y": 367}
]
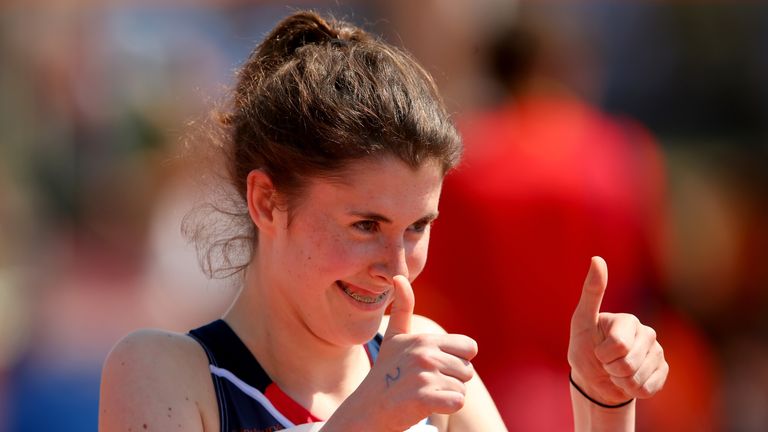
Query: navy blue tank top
[{"x": 248, "y": 399}]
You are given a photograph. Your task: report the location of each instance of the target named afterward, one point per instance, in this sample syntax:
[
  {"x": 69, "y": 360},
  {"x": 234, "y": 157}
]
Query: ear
[{"x": 261, "y": 200}]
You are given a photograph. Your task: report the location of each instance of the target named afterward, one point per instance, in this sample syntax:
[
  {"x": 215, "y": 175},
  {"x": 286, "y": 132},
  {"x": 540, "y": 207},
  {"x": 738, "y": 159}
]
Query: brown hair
[{"x": 313, "y": 97}]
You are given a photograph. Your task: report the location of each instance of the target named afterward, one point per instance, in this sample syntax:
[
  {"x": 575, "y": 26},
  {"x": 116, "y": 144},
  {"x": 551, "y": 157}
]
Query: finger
[
  {"x": 635, "y": 385},
  {"x": 587, "y": 311},
  {"x": 402, "y": 308},
  {"x": 443, "y": 383},
  {"x": 441, "y": 394},
  {"x": 629, "y": 365},
  {"x": 456, "y": 367},
  {"x": 458, "y": 345},
  {"x": 619, "y": 335},
  {"x": 442, "y": 401},
  {"x": 655, "y": 382}
]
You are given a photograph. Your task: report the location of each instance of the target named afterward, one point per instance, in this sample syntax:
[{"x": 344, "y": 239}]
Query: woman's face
[{"x": 347, "y": 239}]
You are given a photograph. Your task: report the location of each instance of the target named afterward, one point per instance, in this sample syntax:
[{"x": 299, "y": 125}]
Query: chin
[{"x": 362, "y": 332}]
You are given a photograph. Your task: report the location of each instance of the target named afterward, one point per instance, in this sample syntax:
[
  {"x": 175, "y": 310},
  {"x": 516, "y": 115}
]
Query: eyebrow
[{"x": 381, "y": 218}]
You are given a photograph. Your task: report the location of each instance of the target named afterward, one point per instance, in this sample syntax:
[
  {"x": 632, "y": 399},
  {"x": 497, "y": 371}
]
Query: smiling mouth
[{"x": 360, "y": 297}]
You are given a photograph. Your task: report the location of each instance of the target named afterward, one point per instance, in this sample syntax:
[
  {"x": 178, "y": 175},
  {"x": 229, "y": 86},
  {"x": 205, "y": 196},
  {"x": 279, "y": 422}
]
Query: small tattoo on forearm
[{"x": 391, "y": 379}]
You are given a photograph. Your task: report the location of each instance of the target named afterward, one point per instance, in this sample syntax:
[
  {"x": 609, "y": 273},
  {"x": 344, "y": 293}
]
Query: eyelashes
[
  {"x": 372, "y": 226},
  {"x": 367, "y": 226},
  {"x": 420, "y": 227}
]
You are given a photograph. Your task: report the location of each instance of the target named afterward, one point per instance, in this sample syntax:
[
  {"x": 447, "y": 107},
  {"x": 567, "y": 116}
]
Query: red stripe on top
[
  {"x": 368, "y": 353},
  {"x": 291, "y": 409}
]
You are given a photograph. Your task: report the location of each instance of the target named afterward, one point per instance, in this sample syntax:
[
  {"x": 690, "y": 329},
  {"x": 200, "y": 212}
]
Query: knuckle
[
  {"x": 635, "y": 383},
  {"x": 624, "y": 366},
  {"x": 421, "y": 339},
  {"x": 452, "y": 401},
  {"x": 461, "y": 387},
  {"x": 425, "y": 360},
  {"x": 458, "y": 402},
  {"x": 621, "y": 347},
  {"x": 423, "y": 379},
  {"x": 651, "y": 332},
  {"x": 630, "y": 318},
  {"x": 424, "y": 401},
  {"x": 616, "y": 345},
  {"x": 645, "y": 391}
]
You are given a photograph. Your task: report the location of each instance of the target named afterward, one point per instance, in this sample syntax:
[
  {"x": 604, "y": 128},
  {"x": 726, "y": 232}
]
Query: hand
[
  {"x": 415, "y": 375},
  {"x": 613, "y": 357}
]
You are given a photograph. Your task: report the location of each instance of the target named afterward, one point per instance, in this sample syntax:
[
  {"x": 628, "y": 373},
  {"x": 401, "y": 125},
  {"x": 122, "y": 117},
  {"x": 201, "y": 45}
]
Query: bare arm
[
  {"x": 151, "y": 381},
  {"x": 590, "y": 417}
]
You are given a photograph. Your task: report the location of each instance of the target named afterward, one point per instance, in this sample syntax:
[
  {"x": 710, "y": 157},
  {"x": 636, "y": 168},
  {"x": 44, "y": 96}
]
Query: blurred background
[{"x": 633, "y": 130}]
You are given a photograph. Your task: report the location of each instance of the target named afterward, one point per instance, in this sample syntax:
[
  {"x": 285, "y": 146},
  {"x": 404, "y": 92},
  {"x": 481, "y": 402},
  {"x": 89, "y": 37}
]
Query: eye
[
  {"x": 368, "y": 226},
  {"x": 420, "y": 227}
]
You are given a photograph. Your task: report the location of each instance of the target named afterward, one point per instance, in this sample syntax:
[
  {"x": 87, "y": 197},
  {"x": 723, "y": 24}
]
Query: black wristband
[{"x": 583, "y": 393}]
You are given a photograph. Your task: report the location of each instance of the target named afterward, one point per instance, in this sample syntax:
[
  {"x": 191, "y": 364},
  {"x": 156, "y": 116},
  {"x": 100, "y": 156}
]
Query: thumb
[
  {"x": 402, "y": 308},
  {"x": 585, "y": 316}
]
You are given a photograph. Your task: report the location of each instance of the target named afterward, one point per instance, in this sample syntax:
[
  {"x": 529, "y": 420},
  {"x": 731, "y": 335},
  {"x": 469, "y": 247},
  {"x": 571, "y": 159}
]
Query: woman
[{"x": 338, "y": 145}]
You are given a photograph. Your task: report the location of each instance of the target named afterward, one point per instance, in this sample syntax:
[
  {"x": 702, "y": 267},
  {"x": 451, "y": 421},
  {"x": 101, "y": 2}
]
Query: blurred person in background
[
  {"x": 79, "y": 150},
  {"x": 547, "y": 178},
  {"x": 695, "y": 74},
  {"x": 91, "y": 117}
]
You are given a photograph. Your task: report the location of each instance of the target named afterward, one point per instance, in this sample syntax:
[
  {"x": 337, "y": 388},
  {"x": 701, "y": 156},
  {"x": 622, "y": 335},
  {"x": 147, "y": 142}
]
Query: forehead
[{"x": 384, "y": 185}]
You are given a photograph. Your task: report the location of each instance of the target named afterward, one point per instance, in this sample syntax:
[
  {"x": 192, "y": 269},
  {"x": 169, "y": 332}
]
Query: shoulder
[
  {"x": 419, "y": 324},
  {"x": 152, "y": 341},
  {"x": 151, "y": 353},
  {"x": 152, "y": 378}
]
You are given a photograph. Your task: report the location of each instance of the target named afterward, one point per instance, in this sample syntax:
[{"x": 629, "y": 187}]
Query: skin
[
  {"x": 613, "y": 358},
  {"x": 368, "y": 232}
]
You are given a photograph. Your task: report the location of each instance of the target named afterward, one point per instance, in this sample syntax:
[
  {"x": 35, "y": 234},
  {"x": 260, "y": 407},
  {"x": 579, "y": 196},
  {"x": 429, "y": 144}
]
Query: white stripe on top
[
  {"x": 260, "y": 398},
  {"x": 252, "y": 392}
]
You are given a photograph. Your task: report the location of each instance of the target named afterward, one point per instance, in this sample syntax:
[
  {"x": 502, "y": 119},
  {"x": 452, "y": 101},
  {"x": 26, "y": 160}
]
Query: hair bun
[{"x": 304, "y": 28}]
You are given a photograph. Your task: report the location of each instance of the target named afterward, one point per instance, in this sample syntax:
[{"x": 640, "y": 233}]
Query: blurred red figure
[{"x": 547, "y": 182}]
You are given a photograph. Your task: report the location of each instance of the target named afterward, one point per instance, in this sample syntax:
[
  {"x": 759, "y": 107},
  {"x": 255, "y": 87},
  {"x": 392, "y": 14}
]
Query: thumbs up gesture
[
  {"x": 415, "y": 375},
  {"x": 613, "y": 357}
]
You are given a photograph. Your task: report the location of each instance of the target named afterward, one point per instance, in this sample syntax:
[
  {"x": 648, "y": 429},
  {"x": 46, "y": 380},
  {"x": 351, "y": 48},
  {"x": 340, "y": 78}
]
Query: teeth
[{"x": 362, "y": 298}]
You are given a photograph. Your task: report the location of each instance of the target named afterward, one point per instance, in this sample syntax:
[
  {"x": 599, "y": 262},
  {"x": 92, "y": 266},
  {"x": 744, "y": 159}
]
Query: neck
[{"x": 315, "y": 373}]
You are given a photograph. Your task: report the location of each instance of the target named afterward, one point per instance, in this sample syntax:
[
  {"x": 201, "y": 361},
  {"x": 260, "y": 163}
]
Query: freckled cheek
[
  {"x": 338, "y": 258},
  {"x": 417, "y": 258}
]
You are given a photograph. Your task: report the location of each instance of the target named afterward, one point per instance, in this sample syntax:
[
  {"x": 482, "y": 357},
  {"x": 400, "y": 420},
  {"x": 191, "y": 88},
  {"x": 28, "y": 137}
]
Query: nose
[{"x": 392, "y": 261}]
